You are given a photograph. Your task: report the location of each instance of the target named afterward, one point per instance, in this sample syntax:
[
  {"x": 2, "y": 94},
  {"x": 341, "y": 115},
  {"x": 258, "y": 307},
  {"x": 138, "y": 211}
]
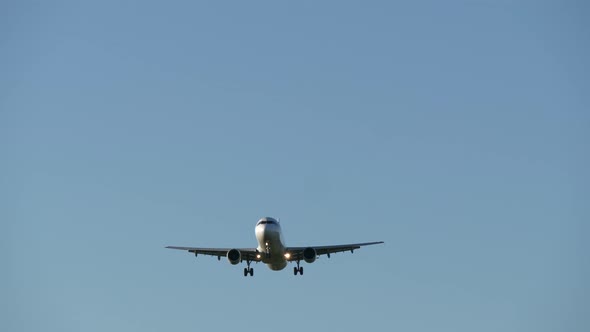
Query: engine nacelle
[
  {"x": 234, "y": 256},
  {"x": 309, "y": 255}
]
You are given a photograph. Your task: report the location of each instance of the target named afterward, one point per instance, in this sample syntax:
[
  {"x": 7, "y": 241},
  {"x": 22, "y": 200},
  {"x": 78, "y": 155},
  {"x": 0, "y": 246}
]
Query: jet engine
[
  {"x": 234, "y": 256},
  {"x": 309, "y": 255}
]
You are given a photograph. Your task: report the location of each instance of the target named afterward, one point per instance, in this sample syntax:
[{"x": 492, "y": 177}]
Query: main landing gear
[
  {"x": 248, "y": 270},
  {"x": 298, "y": 269}
]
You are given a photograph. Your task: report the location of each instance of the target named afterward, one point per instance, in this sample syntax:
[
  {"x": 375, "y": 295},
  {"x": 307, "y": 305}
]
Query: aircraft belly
[
  {"x": 271, "y": 237},
  {"x": 277, "y": 266}
]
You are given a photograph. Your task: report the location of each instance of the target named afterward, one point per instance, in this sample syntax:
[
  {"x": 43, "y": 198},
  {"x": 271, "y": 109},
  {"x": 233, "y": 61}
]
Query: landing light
[
  {"x": 258, "y": 256},
  {"x": 287, "y": 255}
]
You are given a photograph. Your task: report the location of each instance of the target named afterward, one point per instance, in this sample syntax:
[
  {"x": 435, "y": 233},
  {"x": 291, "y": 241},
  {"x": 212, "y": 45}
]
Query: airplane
[{"x": 272, "y": 250}]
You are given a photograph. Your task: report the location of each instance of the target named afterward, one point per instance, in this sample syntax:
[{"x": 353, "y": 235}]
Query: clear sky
[{"x": 455, "y": 131}]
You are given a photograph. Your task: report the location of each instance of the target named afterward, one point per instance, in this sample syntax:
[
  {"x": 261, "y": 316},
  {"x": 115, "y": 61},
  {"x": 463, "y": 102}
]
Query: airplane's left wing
[
  {"x": 296, "y": 253},
  {"x": 250, "y": 254}
]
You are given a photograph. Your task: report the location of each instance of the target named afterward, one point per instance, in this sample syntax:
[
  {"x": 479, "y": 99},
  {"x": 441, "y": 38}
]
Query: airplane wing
[
  {"x": 247, "y": 253},
  {"x": 297, "y": 252}
]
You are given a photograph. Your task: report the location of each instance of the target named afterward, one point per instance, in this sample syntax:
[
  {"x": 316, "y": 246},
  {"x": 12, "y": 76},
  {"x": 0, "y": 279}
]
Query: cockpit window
[{"x": 262, "y": 222}]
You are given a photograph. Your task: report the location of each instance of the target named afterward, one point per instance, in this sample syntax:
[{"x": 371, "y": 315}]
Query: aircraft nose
[{"x": 269, "y": 230}]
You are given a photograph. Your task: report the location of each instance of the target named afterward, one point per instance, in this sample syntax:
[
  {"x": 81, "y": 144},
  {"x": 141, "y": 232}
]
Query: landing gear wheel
[
  {"x": 248, "y": 270},
  {"x": 298, "y": 269}
]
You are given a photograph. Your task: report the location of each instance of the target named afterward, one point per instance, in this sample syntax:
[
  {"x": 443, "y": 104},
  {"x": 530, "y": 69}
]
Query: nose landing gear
[{"x": 267, "y": 251}]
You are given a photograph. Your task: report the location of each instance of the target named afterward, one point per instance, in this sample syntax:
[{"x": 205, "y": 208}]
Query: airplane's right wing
[{"x": 250, "y": 254}]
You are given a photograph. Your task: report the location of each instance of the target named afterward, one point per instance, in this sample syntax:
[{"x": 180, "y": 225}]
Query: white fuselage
[{"x": 271, "y": 243}]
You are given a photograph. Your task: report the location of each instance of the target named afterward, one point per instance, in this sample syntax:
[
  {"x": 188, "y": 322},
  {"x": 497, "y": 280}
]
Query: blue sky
[{"x": 457, "y": 132}]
